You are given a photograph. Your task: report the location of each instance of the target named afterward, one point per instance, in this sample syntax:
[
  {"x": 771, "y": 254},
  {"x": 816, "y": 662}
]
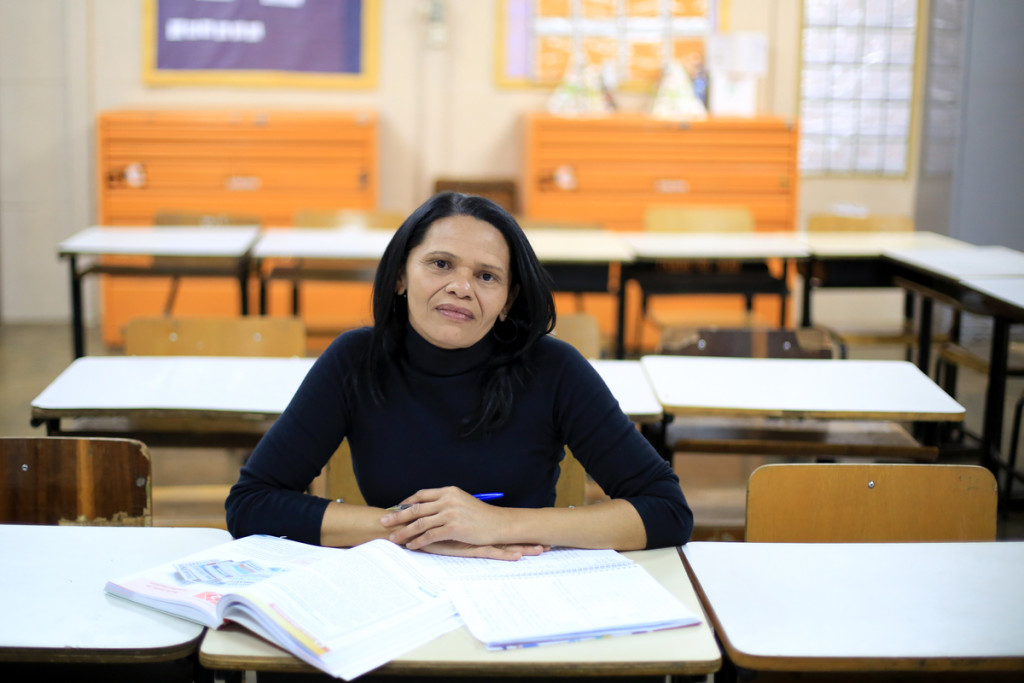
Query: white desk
[
  {"x": 628, "y": 382},
  {"x": 599, "y": 247},
  {"x": 660, "y": 246},
  {"x": 209, "y": 245},
  {"x": 54, "y": 606},
  {"x": 865, "y": 607},
  {"x": 244, "y": 395},
  {"x": 237, "y": 398},
  {"x": 690, "y": 650},
  {"x": 801, "y": 388}
]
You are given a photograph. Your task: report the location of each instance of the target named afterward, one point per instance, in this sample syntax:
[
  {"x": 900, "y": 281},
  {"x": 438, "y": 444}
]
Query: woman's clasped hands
[{"x": 449, "y": 521}]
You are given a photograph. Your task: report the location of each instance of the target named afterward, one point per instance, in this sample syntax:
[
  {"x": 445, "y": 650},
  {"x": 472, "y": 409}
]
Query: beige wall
[{"x": 63, "y": 61}]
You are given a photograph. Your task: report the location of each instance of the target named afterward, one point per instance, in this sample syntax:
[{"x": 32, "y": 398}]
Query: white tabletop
[
  {"x": 685, "y": 650},
  {"x": 1009, "y": 290},
  {"x": 845, "y": 244},
  {"x": 853, "y": 606},
  {"x": 629, "y": 384},
  {"x": 349, "y": 243},
  {"x": 798, "y": 387},
  {"x": 697, "y": 245},
  {"x": 961, "y": 263},
  {"x": 579, "y": 246},
  {"x": 256, "y": 386},
  {"x": 51, "y": 588},
  {"x": 214, "y": 242}
]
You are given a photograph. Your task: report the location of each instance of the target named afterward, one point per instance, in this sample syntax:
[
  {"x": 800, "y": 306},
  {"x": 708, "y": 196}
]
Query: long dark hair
[{"x": 531, "y": 316}]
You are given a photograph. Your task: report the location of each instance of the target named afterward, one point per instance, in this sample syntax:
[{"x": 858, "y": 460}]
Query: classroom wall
[{"x": 63, "y": 61}]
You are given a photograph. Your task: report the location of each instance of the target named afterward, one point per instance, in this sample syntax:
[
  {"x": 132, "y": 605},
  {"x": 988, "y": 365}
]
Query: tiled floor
[{"x": 31, "y": 355}]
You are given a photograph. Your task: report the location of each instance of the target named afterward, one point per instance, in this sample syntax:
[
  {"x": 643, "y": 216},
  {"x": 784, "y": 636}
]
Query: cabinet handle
[
  {"x": 671, "y": 186},
  {"x": 133, "y": 175},
  {"x": 242, "y": 183}
]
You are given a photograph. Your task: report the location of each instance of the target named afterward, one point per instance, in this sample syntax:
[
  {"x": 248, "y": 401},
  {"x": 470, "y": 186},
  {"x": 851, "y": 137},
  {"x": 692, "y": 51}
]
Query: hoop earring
[{"x": 515, "y": 332}]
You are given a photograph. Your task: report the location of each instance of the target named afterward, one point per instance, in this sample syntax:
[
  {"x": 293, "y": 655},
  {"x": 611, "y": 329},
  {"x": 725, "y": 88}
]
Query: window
[{"x": 857, "y": 86}]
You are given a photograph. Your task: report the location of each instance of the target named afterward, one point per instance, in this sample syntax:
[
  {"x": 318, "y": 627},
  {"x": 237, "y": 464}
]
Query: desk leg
[
  {"x": 620, "y": 325},
  {"x": 995, "y": 395},
  {"x": 77, "y": 323},
  {"x": 805, "y": 302},
  {"x": 924, "y": 335},
  {"x": 243, "y": 284},
  {"x": 784, "y": 297}
]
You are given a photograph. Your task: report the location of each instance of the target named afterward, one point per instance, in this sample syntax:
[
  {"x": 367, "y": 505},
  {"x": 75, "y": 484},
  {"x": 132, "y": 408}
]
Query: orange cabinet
[
  {"x": 264, "y": 164},
  {"x": 610, "y": 169}
]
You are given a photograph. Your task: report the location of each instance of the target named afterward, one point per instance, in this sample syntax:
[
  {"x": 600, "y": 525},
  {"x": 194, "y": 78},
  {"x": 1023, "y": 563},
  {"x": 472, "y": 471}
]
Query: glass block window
[{"x": 857, "y": 86}]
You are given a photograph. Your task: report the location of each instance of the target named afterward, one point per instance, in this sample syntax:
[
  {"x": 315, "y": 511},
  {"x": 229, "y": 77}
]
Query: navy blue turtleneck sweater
[{"x": 412, "y": 441}]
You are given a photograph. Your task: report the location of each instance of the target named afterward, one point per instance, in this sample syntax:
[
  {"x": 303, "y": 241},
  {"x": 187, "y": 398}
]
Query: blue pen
[{"x": 478, "y": 496}]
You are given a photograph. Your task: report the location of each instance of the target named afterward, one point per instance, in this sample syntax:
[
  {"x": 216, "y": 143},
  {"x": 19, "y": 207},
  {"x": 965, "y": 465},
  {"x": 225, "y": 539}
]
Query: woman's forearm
[
  {"x": 613, "y": 524},
  {"x": 347, "y": 525}
]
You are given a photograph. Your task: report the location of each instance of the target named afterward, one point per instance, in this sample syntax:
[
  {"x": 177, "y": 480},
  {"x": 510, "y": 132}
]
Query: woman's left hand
[{"x": 437, "y": 516}]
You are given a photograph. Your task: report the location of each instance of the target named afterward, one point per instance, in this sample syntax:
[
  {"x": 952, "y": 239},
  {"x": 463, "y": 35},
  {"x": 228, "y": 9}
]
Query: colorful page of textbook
[
  {"x": 507, "y": 612},
  {"x": 348, "y": 614},
  {"x": 192, "y": 586}
]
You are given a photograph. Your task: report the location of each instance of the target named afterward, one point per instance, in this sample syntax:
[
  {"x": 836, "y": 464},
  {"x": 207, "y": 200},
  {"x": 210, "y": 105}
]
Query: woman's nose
[{"x": 459, "y": 284}]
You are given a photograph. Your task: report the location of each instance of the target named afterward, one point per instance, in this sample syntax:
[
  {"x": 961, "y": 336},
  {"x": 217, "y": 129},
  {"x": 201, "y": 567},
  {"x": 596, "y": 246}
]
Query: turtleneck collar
[{"x": 434, "y": 360}]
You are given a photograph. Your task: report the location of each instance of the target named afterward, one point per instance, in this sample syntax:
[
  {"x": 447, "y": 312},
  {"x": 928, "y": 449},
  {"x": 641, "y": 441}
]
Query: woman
[{"x": 458, "y": 389}]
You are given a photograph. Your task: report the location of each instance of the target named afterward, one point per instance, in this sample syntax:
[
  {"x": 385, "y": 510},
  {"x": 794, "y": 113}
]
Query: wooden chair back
[
  {"x": 582, "y": 331},
  {"x": 502, "y": 192},
  {"x": 867, "y": 223},
  {"x": 184, "y": 218},
  {"x": 349, "y": 218},
  {"x": 248, "y": 336},
  {"x": 71, "y": 481},
  {"x": 698, "y": 218},
  {"x": 870, "y": 503},
  {"x": 747, "y": 342}
]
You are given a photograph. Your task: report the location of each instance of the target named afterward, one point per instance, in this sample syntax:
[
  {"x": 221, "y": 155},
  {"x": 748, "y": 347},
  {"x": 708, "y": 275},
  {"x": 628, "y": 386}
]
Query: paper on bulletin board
[{"x": 732, "y": 94}]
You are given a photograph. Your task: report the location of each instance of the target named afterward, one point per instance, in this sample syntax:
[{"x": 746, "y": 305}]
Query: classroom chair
[
  {"x": 870, "y": 503},
  {"x": 664, "y": 279},
  {"x": 905, "y": 336},
  {"x": 215, "y": 336},
  {"x": 171, "y": 218},
  {"x": 75, "y": 481},
  {"x": 501, "y": 191},
  {"x": 583, "y": 332},
  {"x": 780, "y": 437}
]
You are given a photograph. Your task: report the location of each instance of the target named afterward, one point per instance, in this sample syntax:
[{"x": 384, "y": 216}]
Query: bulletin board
[
  {"x": 279, "y": 43},
  {"x": 629, "y": 40}
]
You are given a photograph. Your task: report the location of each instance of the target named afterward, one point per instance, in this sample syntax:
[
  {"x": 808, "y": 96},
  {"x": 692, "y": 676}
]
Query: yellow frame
[
  {"x": 367, "y": 78},
  {"x": 917, "y": 89},
  {"x": 724, "y": 10}
]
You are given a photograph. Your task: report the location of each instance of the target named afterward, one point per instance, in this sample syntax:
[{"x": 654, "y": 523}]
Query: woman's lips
[{"x": 455, "y": 312}]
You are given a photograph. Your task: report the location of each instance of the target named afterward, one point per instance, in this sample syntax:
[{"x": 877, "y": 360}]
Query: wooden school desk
[
  {"x": 964, "y": 279},
  {"x": 864, "y": 607},
  {"x": 54, "y": 606},
  {"x": 652, "y": 248},
  {"x": 855, "y": 259},
  {"x": 685, "y": 651},
  {"x": 196, "y": 244},
  {"x": 170, "y": 400},
  {"x": 221, "y": 401},
  {"x": 799, "y": 389}
]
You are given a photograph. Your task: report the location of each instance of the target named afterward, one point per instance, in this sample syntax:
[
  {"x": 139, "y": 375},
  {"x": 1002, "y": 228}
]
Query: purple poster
[{"x": 312, "y": 36}]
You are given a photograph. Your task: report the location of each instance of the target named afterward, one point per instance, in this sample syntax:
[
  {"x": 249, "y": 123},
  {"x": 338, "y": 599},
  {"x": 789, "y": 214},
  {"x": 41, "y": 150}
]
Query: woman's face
[{"x": 457, "y": 282}]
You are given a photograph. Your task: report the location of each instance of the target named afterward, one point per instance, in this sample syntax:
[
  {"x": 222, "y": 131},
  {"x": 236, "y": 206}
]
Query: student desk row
[
  {"x": 914, "y": 607},
  {"x": 230, "y": 401},
  {"x": 986, "y": 281},
  {"x": 57, "y": 611},
  {"x": 579, "y": 260}
]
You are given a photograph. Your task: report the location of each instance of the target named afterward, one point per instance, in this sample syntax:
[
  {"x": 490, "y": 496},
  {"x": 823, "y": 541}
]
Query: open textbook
[{"x": 349, "y": 611}]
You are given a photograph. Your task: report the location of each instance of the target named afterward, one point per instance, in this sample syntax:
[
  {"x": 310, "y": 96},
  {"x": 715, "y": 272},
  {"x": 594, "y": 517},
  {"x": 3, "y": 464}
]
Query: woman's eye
[
  {"x": 487, "y": 277},
  {"x": 441, "y": 263}
]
